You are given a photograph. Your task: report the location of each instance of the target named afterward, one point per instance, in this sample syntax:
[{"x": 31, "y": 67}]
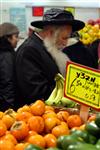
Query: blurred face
[
  {"x": 13, "y": 40},
  {"x": 54, "y": 41},
  {"x": 63, "y": 36},
  {"x": 59, "y": 37}
]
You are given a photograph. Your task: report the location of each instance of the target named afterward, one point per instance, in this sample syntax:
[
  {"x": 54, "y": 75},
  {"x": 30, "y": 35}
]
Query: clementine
[
  {"x": 11, "y": 138},
  {"x": 74, "y": 121},
  {"x": 38, "y": 108},
  {"x": 3, "y": 128},
  {"x": 50, "y": 140},
  {"x": 24, "y": 109},
  {"x": 36, "y": 123},
  {"x": 49, "y": 108},
  {"x": 61, "y": 129},
  {"x": 8, "y": 120},
  {"x": 50, "y": 123},
  {"x": 1, "y": 114},
  {"x": 23, "y": 116},
  {"x": 92, "y": 118},
  {"x": 6, "y": 145},
  {"x": 21, "y": 146},
  {"x": 19, "y": 130},
  {"x": 49, "y": 114},
  {"x": 37, "y": 140},
  {"x": 63, "y": 115}
]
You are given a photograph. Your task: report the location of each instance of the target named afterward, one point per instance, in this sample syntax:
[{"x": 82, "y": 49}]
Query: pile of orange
[{"x": 37, "y": 124}]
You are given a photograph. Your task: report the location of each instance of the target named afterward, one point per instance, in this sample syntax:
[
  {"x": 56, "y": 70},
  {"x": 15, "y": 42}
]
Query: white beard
[{"x": 59, "y": 57}]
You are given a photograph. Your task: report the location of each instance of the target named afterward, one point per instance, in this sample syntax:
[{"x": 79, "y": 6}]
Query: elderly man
[{"x": 40, "y": 57}]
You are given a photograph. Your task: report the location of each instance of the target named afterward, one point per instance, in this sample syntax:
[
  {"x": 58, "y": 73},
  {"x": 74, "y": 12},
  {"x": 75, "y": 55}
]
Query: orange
[
  {"x": 3, "y": 128},
  {"x": 49, "y": 108},
  {"x": 11, "y": 138},
  {"x": 61, "y": 130},
  {"x": 37, "y": 140},
  {"x": 23, "y": 116},
  {"x": 74, "y": 121},
  {"x": 1, "y": 114},
  {"x": 10, "y": 112},
  {"x": 36, "y": 123},
  {"x": 82, "y": 127},
  {"x": 8, "y": 120},
  {"x": 63, "y": 115},
  {"x": 76, "y": 128},
  {"x": 30, "y": 133},
  {"x": 50, "y": 140},
  {"x": 21, "y": 146},
  {"x": 92, "y": 118},
  {"x": 19, "y": 130},
  {"x": 25, "y": 108},
  {"x": 50, "y": 123},
  {"x": 38, "y": 108},
  {"x": 6, "y": 145},
  {"x": 49, "y": 114}
]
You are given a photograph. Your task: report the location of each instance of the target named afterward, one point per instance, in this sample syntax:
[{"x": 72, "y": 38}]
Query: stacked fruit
[
  {"x": 37, "y": 124},
  {"x": 90, "y": 32},
  {"x": 88, "y": 139}
]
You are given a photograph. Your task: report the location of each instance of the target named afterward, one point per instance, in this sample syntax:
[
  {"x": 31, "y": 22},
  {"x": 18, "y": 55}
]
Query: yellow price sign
[{"x": 82, "y": 84}]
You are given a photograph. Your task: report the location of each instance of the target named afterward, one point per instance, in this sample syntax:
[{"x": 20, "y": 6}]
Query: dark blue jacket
[{"x": 7, "y": 75}]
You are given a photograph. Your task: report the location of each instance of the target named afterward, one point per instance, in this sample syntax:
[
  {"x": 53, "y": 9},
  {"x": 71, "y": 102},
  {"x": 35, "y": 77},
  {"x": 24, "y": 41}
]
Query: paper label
[{"x": 82, "y": 84}]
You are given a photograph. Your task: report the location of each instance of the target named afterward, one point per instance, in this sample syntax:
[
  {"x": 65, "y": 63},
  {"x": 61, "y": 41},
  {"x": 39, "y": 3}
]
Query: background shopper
[{"x": 8, "y": 41}]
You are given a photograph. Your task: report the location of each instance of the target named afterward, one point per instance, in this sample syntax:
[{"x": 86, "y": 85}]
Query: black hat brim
[{"x": 76, "y": 24}]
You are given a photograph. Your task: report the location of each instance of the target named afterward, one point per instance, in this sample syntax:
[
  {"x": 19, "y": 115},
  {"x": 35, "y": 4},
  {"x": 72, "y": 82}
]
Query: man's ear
[{"x": 50, "y": 30}]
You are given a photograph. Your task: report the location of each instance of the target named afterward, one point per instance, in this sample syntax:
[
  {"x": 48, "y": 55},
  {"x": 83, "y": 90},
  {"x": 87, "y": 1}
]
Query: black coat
[
  {"x": 93, "y": 48},
  {"x": 7, "y": 73},
  {"x": 35, "y": 71},
  {"x": 80, "y": 54}
]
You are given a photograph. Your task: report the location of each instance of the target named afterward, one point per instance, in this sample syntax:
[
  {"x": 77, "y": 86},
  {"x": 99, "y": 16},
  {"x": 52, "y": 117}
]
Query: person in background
[
  {"x": 8, "y": 41},
  {"x": 94, "y": 48},
  {"x": 78, "y": 52},
  {"x": 40, "y": 57}
]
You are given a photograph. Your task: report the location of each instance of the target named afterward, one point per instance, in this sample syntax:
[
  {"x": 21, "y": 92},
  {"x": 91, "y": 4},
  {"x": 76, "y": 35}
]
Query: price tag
[{"x": 82, "y": 84}]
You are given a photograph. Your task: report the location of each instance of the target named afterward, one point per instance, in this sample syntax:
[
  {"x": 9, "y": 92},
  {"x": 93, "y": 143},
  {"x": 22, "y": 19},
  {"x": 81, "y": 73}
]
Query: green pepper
[
  {"x": 82, "y": 134},
  {"x": 81, "y": 146},
  {"x": 92, "y": 128},
  {"x": 97, "y": 120},
  {"x": 98, "y": 144},
  {"x": 92, "y": 139},
  {"x": 33, "y": 147},
  {"x": 87, "y": 137},
  {"x": 53, "y": 148},
  {"x": 60, "y": 139},
  {"x": 64, "y": 141}
]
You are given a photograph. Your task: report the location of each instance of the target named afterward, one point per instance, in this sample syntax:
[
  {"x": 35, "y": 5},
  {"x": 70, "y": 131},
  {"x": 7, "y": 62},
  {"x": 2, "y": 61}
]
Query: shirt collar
[{"x": 38, "y": 35}]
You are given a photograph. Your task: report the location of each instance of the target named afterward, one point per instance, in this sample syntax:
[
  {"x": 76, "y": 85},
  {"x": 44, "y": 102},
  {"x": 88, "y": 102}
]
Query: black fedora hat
[{"x": 56, "y": 16}]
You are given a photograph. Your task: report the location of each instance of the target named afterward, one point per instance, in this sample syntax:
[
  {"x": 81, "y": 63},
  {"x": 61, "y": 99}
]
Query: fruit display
[
  {"x": 39, "y": 126},
  {"x": 90, "y": 32},
  {"x": 87, "y": 138},
  {"x": 57, "y": 96},
  {"x": 36, "y": 124}
]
